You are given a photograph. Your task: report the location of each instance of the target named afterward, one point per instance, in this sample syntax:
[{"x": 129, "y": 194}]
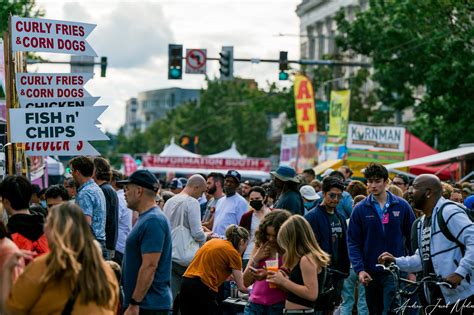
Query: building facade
[{"x": 150, "y": 106}]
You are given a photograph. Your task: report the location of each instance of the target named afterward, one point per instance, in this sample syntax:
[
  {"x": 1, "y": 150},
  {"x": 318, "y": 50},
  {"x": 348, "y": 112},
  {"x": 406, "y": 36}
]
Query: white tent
[
  {"x": 230, "y": 153},
  {"x": 176, "y": 151},
  {"x": 446, "y": 156},
  {"x": 55, "y": 168}
]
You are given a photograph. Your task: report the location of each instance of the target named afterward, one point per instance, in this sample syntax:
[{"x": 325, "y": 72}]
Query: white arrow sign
[
  {"x": 68, "y": 148},
  {"x": 53, "y": 92},
  {"x": 24, "y": 80},
  {"x": 32, "y": 34},
  {"x": 57, "y": 102},
  {"x": 32, "y": 125}
]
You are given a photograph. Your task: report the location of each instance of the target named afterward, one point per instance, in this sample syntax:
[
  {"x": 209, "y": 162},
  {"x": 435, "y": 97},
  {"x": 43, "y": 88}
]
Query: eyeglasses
[
  {"x": 398, "y": 183},
  {"x": 334, "y": 195}
]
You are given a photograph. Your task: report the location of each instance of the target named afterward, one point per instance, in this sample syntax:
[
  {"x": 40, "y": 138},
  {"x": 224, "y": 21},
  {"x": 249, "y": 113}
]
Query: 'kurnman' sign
[
  {"x": 377, "y": 138},
  {"x": 32, "y": 125}
]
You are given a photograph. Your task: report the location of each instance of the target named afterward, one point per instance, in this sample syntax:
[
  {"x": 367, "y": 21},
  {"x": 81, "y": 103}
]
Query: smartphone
[{"x": 253, "y": 269}]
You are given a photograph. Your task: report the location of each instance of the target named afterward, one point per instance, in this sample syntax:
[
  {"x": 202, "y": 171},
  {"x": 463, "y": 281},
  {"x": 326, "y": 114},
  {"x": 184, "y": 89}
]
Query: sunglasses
[{"x": 334, "y": 195}]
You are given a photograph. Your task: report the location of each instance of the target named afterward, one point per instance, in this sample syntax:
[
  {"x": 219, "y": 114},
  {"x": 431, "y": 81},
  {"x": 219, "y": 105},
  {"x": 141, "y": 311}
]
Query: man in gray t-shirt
[{"x": 185, "y": 205}]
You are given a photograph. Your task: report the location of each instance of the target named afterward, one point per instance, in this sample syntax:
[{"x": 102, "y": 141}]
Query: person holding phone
[
  {"x": 264, "y": 299},
  {"x": 304, "y": 260}
]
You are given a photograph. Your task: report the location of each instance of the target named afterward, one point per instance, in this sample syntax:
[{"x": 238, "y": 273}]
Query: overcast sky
[{"x": 134, "y": 35}]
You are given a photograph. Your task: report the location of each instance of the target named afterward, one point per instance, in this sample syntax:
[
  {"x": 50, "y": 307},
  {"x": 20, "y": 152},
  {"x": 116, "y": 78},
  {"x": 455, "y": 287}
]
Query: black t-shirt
[
  {"x": 336, "y": 230},
  {"x": 431, "y": 290}
]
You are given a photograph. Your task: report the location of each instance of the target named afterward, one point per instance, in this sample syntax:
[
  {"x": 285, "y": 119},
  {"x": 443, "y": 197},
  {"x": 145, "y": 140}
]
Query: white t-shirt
[
  {"x": 253, "y": 228},
  {"x": 192, "y": 215},
  {"x": 229, "y": 210}
]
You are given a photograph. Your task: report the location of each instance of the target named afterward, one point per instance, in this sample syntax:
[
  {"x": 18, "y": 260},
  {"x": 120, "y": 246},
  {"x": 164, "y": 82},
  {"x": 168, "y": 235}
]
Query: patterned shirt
[{"x": 91, "y": 199}]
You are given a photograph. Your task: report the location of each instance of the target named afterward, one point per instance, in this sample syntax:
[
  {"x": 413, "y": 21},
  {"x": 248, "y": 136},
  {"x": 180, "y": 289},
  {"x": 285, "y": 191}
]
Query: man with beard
[
  {"x": 436, "y": 253},
  {"x": 245, "y": 188},
  {"x": 379, "y": 223},
  {"x": 215, "y": 184},
  {"x": 330, "y": 229},
  {"x": 289, "y": 198},
  {"x": 229, "y": 210}
]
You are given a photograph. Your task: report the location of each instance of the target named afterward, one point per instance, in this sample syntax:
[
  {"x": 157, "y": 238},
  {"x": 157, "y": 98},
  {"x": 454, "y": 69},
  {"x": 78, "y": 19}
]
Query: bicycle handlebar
[{"x": 432, "y": 278}]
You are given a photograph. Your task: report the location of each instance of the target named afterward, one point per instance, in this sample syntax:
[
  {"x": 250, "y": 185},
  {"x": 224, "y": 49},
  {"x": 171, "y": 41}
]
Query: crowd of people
[{"x": 104, "y": 243}]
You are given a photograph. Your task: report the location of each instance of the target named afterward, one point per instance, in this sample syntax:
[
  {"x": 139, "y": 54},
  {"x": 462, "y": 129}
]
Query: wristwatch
[{"x": 134, "y": 302}]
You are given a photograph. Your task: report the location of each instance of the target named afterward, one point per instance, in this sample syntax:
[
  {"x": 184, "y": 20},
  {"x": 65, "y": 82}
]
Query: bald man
[
  {"x": 454, "y": 261},
  {"x": 185, "y": 205}
]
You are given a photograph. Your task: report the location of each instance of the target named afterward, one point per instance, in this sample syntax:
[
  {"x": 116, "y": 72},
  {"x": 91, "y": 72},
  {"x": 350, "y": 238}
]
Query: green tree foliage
[
  {"x": 422, "y": 53},
  {"x": 23, "y": 8},
  {"x": 228, "y": 111}
]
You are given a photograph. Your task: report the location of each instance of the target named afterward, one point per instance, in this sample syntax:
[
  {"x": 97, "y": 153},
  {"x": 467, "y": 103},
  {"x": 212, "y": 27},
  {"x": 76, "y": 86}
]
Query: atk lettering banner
[
  {"x": 304, "y": 105},
  {"x": 32, "y": 125},
  {"x": 207, "y": 163},
  {"x": 376, "y": 138},
  {"x": 339, "y": 113},
  {"x": 33, "y": 34}
]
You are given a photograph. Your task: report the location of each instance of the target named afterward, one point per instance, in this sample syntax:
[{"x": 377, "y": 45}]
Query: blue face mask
[
  {"x": 308, "y": 204},
  {"x": 43, "y": 204}
]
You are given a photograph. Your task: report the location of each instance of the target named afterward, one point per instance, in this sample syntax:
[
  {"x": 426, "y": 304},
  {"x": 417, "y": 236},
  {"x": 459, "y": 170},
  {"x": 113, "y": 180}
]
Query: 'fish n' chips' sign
[{"x": 29, "y": 34}]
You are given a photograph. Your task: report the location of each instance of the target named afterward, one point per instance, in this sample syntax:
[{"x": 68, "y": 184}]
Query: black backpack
[{"x": 443, "y": 226}]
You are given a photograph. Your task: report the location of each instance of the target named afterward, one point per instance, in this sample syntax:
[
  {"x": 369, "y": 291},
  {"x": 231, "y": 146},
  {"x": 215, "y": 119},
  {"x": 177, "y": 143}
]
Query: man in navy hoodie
[
  {"x": 379, "y": 223},
  {"x": 330, "y": 229}
]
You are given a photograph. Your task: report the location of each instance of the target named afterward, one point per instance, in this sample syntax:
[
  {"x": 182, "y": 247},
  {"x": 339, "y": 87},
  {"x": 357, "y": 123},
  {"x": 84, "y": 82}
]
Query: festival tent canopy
[
  {"x": 230, "y": 153},
  {"x": 445, "y": 157},
  {"x": 415, "y": 148},
  {"x": 175, "y": 150}
]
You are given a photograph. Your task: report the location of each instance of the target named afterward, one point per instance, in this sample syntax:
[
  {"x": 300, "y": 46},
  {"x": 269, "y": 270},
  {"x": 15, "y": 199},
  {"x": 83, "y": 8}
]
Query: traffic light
[
  {"x": 283, "y": 64},
  {"x": 175, "y": 62},
  {"x": 226, "y": 62},
  {"x": 103, "y": 66}
]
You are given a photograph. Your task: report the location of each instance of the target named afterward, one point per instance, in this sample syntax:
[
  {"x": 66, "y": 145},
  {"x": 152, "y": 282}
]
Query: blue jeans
[
  {"x": 348, "y": 295},
  {"x": 380, "y": 294},
  {"x": 258, "y": 309}
]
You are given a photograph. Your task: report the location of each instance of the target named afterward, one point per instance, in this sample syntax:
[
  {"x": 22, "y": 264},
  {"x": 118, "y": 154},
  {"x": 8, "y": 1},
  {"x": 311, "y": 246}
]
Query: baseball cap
[
  {"x": 143, "y": 178},
  {"x": 234, "y": 174},
  {"x": 309, "y": 193},
  {"x": 178, "y": 183}
]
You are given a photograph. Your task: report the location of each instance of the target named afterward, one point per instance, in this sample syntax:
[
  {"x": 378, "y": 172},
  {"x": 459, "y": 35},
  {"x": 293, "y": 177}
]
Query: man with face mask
[
  {"x": 229, "y": 210},
  {"x": 437, "y": 253},
  {"x": 251, "y": 219},
  {"x": 330, "y": 229},
  {"x": 183, "y": 209}
]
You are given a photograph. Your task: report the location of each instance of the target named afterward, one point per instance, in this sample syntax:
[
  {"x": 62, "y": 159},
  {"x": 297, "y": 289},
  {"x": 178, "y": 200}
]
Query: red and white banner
[
  {"x": 129, "y": 164},
  {"x": 263, "y": 165}
]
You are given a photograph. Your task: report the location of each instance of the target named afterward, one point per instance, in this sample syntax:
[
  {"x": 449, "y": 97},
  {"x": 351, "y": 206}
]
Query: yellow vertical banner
[
  {"x": 339, "y": 113},
  {"x": 304, "y": 105}
]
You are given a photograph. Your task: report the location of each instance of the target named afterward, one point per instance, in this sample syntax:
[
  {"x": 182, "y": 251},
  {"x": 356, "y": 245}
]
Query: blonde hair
[
  {"x": 397, "y": 191},
  {"x": 235, "y": 234},
  {"x": 74, "y": 256},
  {"x": 297, "y": 239}
]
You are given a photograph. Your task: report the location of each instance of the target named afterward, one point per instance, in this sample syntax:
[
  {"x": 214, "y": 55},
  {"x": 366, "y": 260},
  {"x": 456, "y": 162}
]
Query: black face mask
[{"x": 256, "y": 204}]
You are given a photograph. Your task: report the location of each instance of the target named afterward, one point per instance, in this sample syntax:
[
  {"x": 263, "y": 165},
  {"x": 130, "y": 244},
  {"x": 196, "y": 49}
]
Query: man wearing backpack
[
  {"x": 445, "y": 246},
  {"x": 24, "y": 228}
]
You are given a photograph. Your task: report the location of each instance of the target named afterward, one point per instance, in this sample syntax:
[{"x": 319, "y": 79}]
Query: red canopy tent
[{"x": 415, "y": 148}]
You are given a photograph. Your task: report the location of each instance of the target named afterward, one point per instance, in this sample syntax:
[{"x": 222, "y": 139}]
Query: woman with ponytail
[
  {"x": 72, "y": 278},
  {"x": 213, "y": 263}
]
